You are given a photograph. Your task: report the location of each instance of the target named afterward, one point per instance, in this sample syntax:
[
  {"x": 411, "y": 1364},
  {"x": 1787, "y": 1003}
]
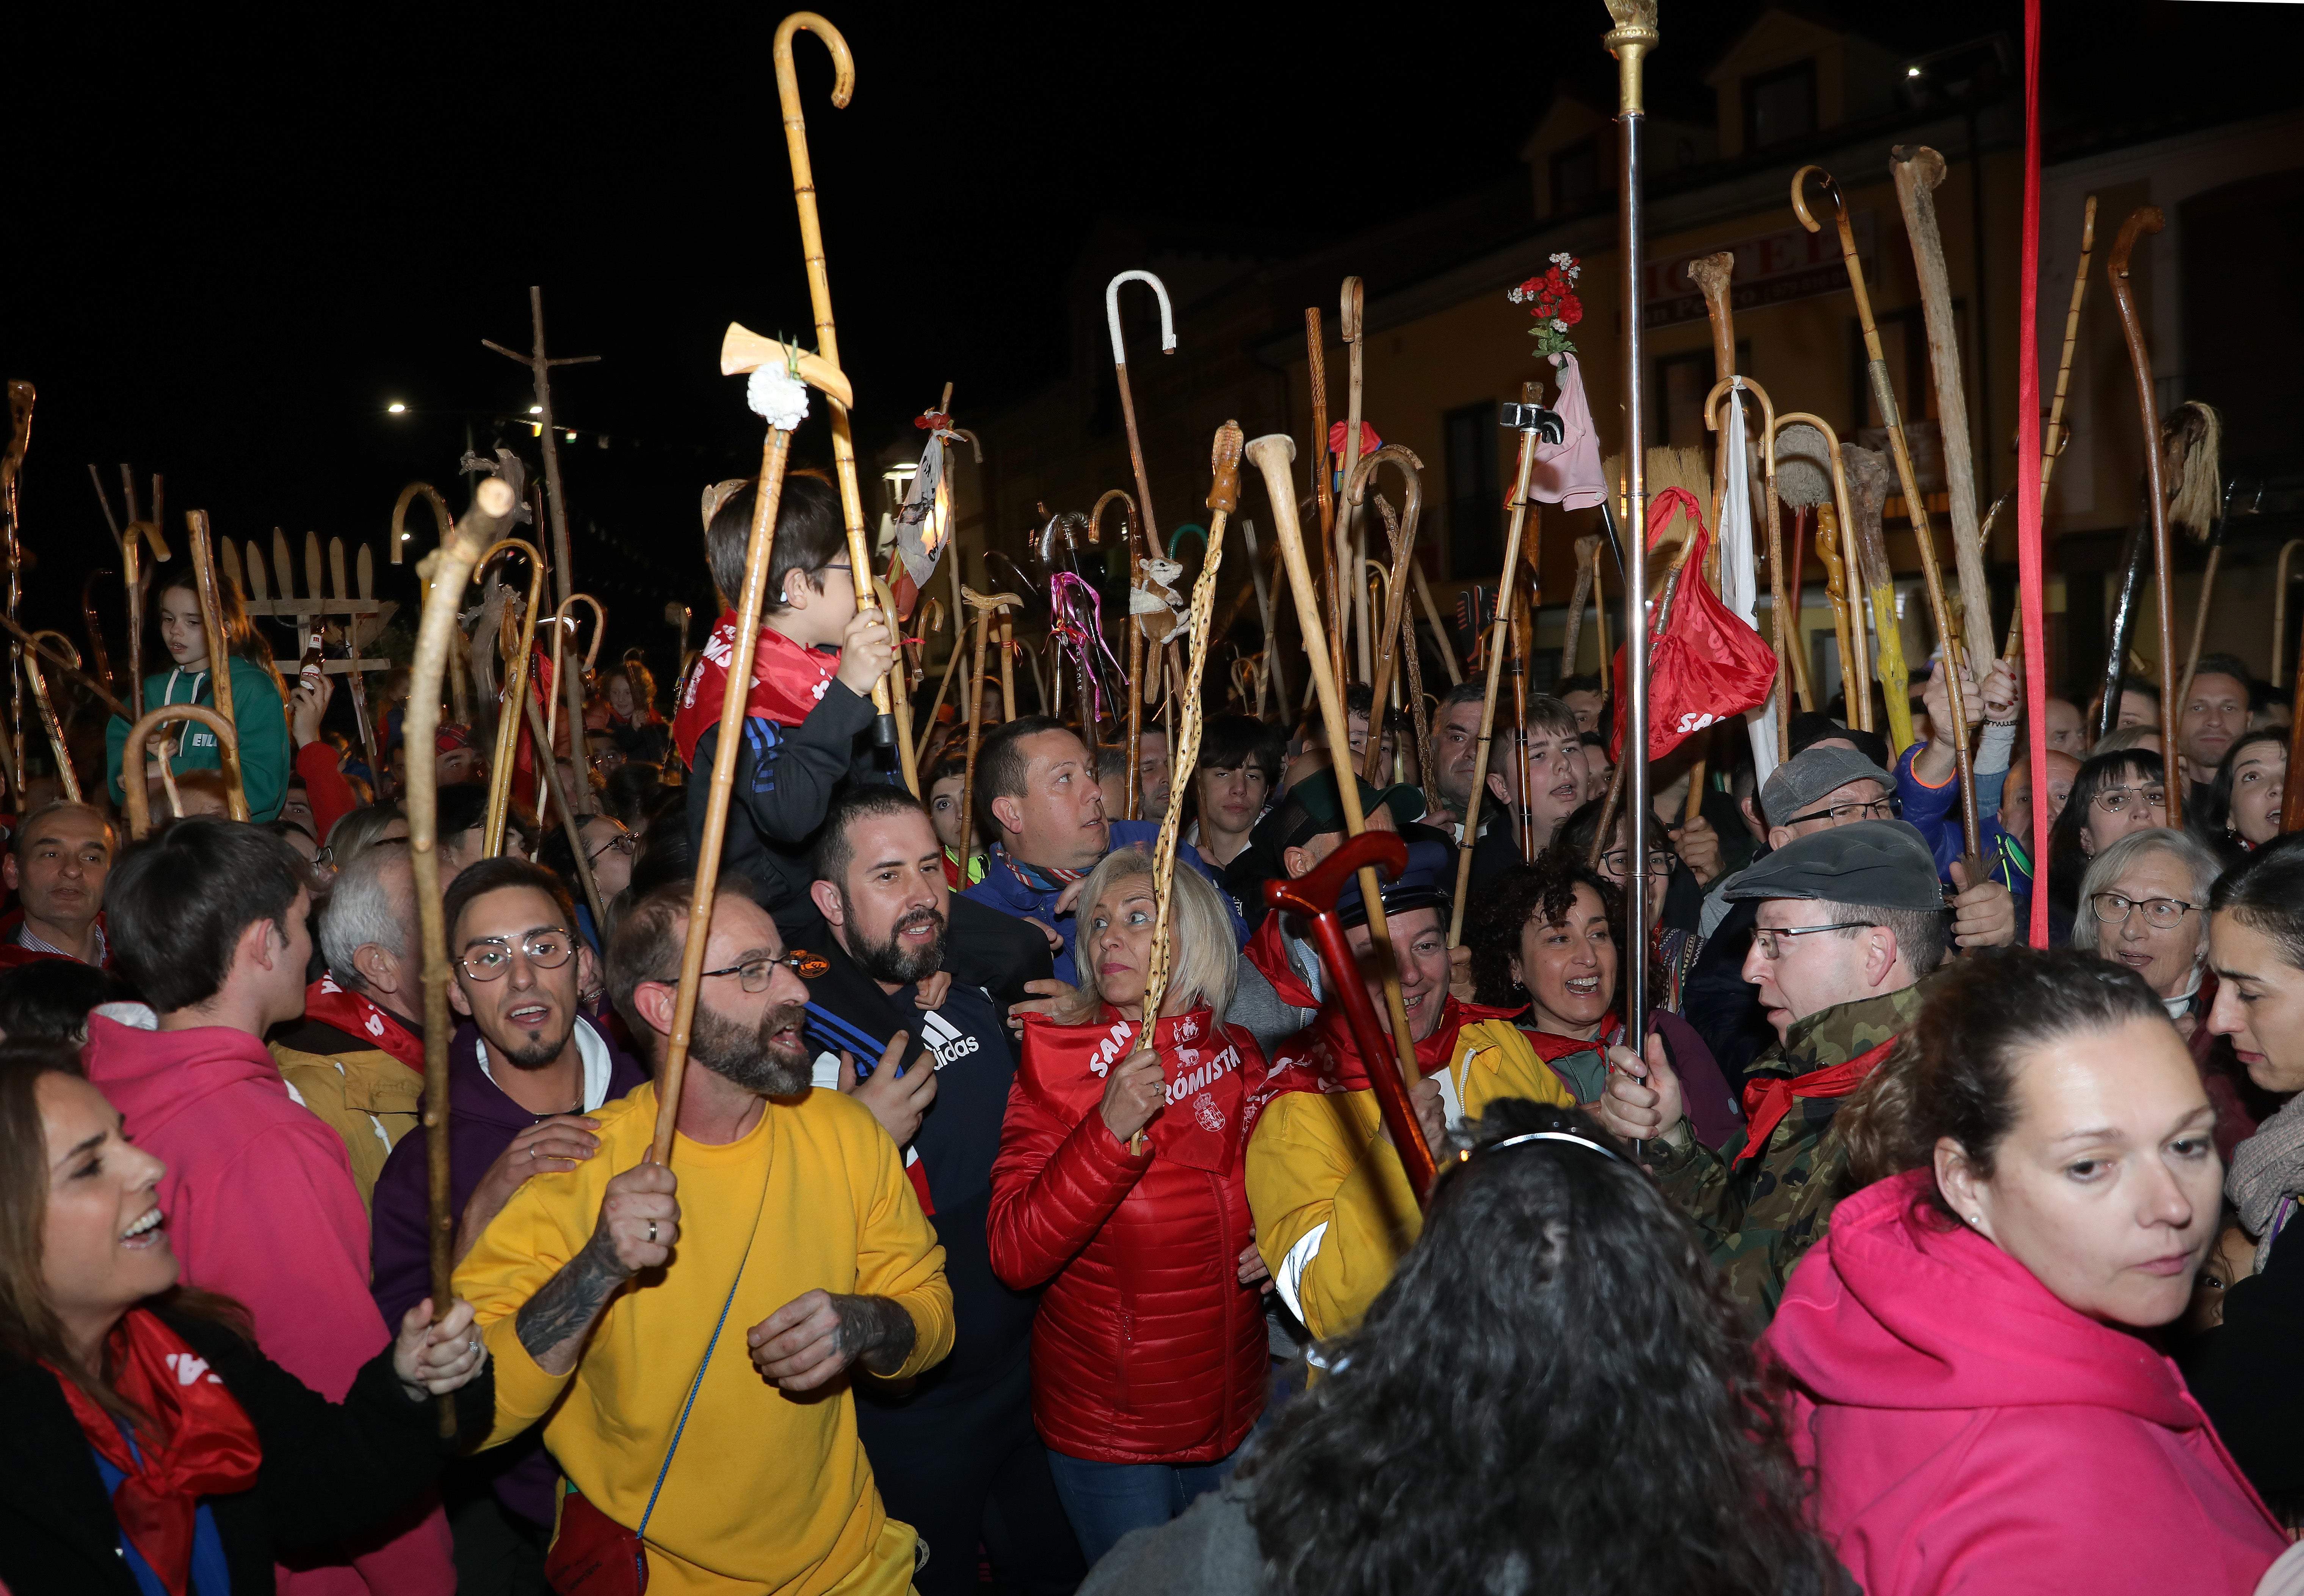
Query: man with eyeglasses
[
  {"x": 1849, "y": 919},
  {"x": 954, "y": 1452},
  {"x": 721, "y": 1301},
  {"x": 526, "y": 1073}
]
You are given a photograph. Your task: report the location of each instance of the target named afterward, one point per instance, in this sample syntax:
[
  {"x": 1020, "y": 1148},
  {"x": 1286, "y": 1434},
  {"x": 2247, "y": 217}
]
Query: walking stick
[
  {"x": 983, "y": 604},
  {"x": 136, "y": 796},
  {"x": 2148, "y": 219},
  {"x": 1587, "y": 573},
  {"x": 1348, "y": 535},
  {"x": 65, "y": 772},
  {"x": 540, "y": 372},
  {"x": 1524, "y": 809},
  {"x": 1781, "y": 618},
  {"x": 827, "y": 339},
  {"x": 22, "y": 396},
  {"x": 1332, "y": 569},
  {"x": 515, "y": 691},
  {"x": 1272, "y": 454},
  {"x": 1224, "y": 499},
  {"x": 219, "y": 658},
  {"x": 2052, "y": 440},
  {"x": 97, "y": 651},
  {"x": 1147, "y": 530},
  {"x": 131, "y": 575},
  {"x": 550, "y": 770},
  {"x": 1633, "y": 37},
  {"x": 1395, "y": 591},
  {"x": 67, "y": 662},
  {"x": 494, "y": 502},
  {"x": 1919, "y": 171},
  {"x": 572, "y": 686},
  {"x": 1842, "y": 566},
  {"x": 1439, "y": 632},
  {"x": 1269, "y": 664},
  {"x": 1130, "y": 530}
]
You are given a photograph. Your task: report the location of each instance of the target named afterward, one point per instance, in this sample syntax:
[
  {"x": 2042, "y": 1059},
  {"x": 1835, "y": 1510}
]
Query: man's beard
[
  {"x": 536, "y": 1055},
  {"x": 892, "y": 960},
  {"x": 758, "y": 1059}
]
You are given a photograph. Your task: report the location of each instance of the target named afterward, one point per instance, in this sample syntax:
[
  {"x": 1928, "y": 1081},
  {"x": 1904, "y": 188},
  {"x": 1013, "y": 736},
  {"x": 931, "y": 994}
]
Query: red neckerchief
[
  {"x": 355, "y": 1015},
  {"x": 1767, "y": 1101},
  {"x": 1206, "y": 1065},
  {"x": 200, "y": 1442},
  {"x": 1267, "y": 950},
  {"x": 1552, "y": 1047},
  {"x": 1322, "y": 1057},
  {"x": 788, "y": 681}
]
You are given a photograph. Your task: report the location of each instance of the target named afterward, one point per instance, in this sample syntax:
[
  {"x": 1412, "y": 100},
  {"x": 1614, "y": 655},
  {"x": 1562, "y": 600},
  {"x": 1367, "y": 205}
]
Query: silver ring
[
  {"x": 473, "y": 1345},
  {"x": 532, "y": 1152},
  {"x": 651, "y": 1232}
]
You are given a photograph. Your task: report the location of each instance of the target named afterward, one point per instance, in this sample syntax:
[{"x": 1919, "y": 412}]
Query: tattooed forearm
[
  {"x": 552, "y": 1324},
  {"x": 876, "y": 1331}
]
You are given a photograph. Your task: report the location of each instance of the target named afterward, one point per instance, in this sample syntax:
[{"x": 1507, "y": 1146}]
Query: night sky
[{"x": 230, "y": 245}]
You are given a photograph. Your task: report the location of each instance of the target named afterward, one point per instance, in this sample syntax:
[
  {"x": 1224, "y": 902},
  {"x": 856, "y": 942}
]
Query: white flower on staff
[{"x": 777, "y": 396}]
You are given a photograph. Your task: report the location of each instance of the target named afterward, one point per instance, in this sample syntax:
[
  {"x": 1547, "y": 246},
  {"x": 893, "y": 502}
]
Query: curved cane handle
[
  {"x": 1411, "y": 481},
  {"x": 1831, "y": 190},
  {"x": 139, "y": 800},
  {"x": 409, "y": 496},
  {"x": 1095, "y": 516},
  {"x": 1112, "y": 314},
  {"x": 844, "y": 65}
]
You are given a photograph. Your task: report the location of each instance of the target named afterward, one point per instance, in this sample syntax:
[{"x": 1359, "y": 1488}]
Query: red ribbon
[{"x": 2030, "y": 580}]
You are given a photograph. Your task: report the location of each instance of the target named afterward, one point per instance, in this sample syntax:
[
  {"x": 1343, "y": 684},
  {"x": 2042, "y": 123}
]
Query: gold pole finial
[{"x": 1629, "y": 41}]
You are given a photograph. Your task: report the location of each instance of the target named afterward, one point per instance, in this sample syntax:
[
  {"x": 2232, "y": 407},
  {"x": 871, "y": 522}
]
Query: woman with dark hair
[
  {"x": 1548, "y": 939},
  {"x": 1675, "y": 902},
  {"x": 2242, "y": 812},
  {"x": 1972, "y": 1377},
  {"x": 149, "y": 1447},
  {"x": 1239, "y": 762},
  {"x": 2114, "y": 794},
  {"x": 1551, "y": 1395},
  {"x": 259, "y": 698}
]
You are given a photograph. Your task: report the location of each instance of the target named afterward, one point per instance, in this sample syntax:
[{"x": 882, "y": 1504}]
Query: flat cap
[
  {"x": 1318, "y": 806},
  {"x": 1804, "y": 778},
  {"x": 1877, "y": 863},
  {"x": 1423, "y": 884}
]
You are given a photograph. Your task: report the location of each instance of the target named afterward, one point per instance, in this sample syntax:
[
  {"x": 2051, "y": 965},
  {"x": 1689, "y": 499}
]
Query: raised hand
[
  {"x": 1135, "y": 1093},
  {"x": 548, "y": 1146},
  {"x": 865, "y": 650}
]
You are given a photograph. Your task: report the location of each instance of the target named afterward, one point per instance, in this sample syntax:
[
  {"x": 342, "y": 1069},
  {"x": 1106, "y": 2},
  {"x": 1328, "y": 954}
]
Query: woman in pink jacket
[{"x": 1974, "y": 1378}]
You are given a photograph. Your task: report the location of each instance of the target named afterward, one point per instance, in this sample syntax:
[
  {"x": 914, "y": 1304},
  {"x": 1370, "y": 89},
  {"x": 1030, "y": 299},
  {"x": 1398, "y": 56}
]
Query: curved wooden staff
[
  {"x": 900, "y": 696},
  {"x": 757, "y": 551},
  {"x": 1855, "y": 650},
  {"x": 1782, "y": 619},
  {"x": 1350, "y": 542},
  {"x": 443, "y": 521},
  {"x": 1494, "y": 657},
  {"x": 1272, "y": 454},
  {"x": 2148, "y": 219},
  {"x": 556, "y": 797},
  {"x": 571, "y": 686},
  {"x": 1132, "y": 727},
  {"x": 1148, "y": 539},
  {"x": 2056, "y": 436},
  {"x": 1439, "y": 627},
  {"x": 1267, "y": 665},
  {"x": 1919, "y": 171},
  {"x": 134, "y": 793},
  {"x": 68, "y": 661},
  {"x": 1587, "y": 577},
  {"x": 219, "y": 658},
  {"x": 984, "y": 604},
  {"x": 1224, "y": 499},
  {"x": 1396, "y": 582},
  {"x": 515, "y": 691},
  {"x": 827, "y": 339},
  {"x": 1916, "y": 504},
  {"x": 56, "y": 730},
  {"x": 1420, "y": 712}
]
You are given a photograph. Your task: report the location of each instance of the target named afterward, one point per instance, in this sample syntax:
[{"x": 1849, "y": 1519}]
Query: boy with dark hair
[
  {"x": 208, "y": 921},
  {"x": 808, "y": 705}
]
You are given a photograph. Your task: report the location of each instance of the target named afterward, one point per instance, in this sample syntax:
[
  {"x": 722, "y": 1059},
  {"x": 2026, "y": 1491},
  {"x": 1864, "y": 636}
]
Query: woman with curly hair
[
  {"x": 1973, "y": 1377},
  {"x": 1552, "y": 1395},
  {"x": 1549, "y": 938}
]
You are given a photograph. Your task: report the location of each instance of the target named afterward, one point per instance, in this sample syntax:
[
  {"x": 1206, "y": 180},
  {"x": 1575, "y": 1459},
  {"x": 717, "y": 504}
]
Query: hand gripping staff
[
  {"x": 1224, "y": 499},
  {"x": 494, "y": 504},
  {"x": 828, "y": 340},
  {"x": 1272, "y": 454},
  {"x": 1147, "y": 536},
  {"x": 749, "y": 603},
  {"x": 1314, "y": 897}
]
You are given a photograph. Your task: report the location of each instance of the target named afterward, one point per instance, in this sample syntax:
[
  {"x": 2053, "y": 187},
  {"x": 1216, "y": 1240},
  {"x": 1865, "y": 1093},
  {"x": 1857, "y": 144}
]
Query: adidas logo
[{"x": 948, "y": 1043}]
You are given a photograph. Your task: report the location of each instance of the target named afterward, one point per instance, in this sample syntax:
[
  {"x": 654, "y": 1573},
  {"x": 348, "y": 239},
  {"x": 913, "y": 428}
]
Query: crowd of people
[{"x": 1884, "y": 1253}]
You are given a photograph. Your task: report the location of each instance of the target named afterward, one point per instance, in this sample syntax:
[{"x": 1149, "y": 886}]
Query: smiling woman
[
  {"x": 2144, "y": 907},
  {"x": 1966, "y": 1373}
]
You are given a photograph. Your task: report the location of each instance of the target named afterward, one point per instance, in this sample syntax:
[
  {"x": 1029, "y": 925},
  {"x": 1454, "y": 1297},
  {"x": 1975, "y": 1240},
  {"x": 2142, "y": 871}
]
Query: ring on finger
[{"x": 651, "y": 1232}]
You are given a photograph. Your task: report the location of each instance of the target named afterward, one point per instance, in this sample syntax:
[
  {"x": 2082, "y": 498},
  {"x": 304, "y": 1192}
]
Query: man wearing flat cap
[
  {"x": 1332, "y": 1207},
  {"x": 1827, "y": 785},
  {"x": 1848, "y": 920}
]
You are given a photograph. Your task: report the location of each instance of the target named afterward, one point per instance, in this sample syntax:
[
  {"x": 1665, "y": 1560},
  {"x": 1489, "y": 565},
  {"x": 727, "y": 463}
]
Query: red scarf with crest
[
  {"x": 355, "y": 1015},
  {"x": 200, "y": 1442},
  {"x": 1206, "y": 1066},
  {"x": 788, "y": 681},
  {"x": 1323, "y": 1057}
]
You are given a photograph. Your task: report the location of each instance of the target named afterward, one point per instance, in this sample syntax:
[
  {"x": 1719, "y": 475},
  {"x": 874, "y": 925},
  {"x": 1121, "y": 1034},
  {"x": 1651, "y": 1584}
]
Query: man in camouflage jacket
[{"x": 1850, "y": 921}]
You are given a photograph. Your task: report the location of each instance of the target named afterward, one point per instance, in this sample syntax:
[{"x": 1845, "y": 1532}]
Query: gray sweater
[{"x": 1210, "y": 1552}]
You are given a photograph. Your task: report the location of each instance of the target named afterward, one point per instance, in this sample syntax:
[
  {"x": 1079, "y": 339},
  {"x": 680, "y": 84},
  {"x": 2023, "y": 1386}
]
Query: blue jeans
[{"x": 1106, "y": 1500}]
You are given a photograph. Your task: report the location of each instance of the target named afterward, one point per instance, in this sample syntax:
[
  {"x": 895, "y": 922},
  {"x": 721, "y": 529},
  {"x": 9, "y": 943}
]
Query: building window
[
  {"x": 1780, "y": 107},
  {"x": 1474, "y": 502},
  {"x": 1677, "y": 398},
  {"x": 1575, "y": 174}
]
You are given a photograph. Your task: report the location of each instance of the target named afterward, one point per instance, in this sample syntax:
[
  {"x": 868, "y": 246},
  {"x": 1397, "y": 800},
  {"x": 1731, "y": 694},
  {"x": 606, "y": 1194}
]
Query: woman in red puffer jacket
[{"x": 1148, "y": 1355}]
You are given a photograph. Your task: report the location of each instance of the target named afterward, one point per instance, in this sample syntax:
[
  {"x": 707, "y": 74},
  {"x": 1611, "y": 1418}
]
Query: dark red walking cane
[{"x": 1314, "y": 897}]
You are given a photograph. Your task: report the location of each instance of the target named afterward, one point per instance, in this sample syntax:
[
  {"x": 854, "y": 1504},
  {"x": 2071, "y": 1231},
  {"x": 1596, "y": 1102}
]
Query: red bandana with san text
[
  {"x": 1204, "y": 1064},
  {"x": 788, "y": 681},
  {"x": 355, "y": 1015}
]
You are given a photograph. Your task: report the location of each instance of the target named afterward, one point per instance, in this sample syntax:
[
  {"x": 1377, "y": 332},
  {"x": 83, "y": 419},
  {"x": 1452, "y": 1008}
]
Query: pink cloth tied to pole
[{"x": 1568, "y": 473}]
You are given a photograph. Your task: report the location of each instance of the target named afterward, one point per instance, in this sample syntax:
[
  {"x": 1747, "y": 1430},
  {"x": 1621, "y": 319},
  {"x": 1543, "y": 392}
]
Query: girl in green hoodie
[{"x": 258, "y": 699}]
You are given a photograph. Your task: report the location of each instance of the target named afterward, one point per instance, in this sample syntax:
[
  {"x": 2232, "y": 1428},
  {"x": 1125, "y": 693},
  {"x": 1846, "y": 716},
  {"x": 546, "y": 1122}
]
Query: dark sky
[{"x": 228, "y": 245}]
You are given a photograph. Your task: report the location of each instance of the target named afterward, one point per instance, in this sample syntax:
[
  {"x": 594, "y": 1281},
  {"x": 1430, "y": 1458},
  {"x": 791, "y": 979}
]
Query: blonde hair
[{"x": 1203, "y": 962}]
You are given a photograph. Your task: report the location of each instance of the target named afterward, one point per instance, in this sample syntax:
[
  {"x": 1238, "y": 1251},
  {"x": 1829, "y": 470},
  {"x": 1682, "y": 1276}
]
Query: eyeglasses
[
  {"x": 2118, "y": 801},
  {"x": 623, "y": 841},
  {"x": 2114, "y": 908},
  {"x": 1660, "y": 862},
  {"x": 1770, "y": 942},
  {"x": 756, "y": 974},
  {"x": 1844, "y": 814},
  {"x": 488, "y": 959}
]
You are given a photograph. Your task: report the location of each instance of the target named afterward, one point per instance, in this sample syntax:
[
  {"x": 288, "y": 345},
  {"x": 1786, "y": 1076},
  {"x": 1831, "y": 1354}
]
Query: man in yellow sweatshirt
[
  {"x": 1332, "y": 1207},
  {"x": 804, "y": 1251}
]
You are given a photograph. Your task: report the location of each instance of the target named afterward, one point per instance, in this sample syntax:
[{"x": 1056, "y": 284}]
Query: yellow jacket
[
  {"x": 365, "y": 1096},
  {"x": 1333, "y": 1211},
  {"x": 768, "y": 1493}
]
